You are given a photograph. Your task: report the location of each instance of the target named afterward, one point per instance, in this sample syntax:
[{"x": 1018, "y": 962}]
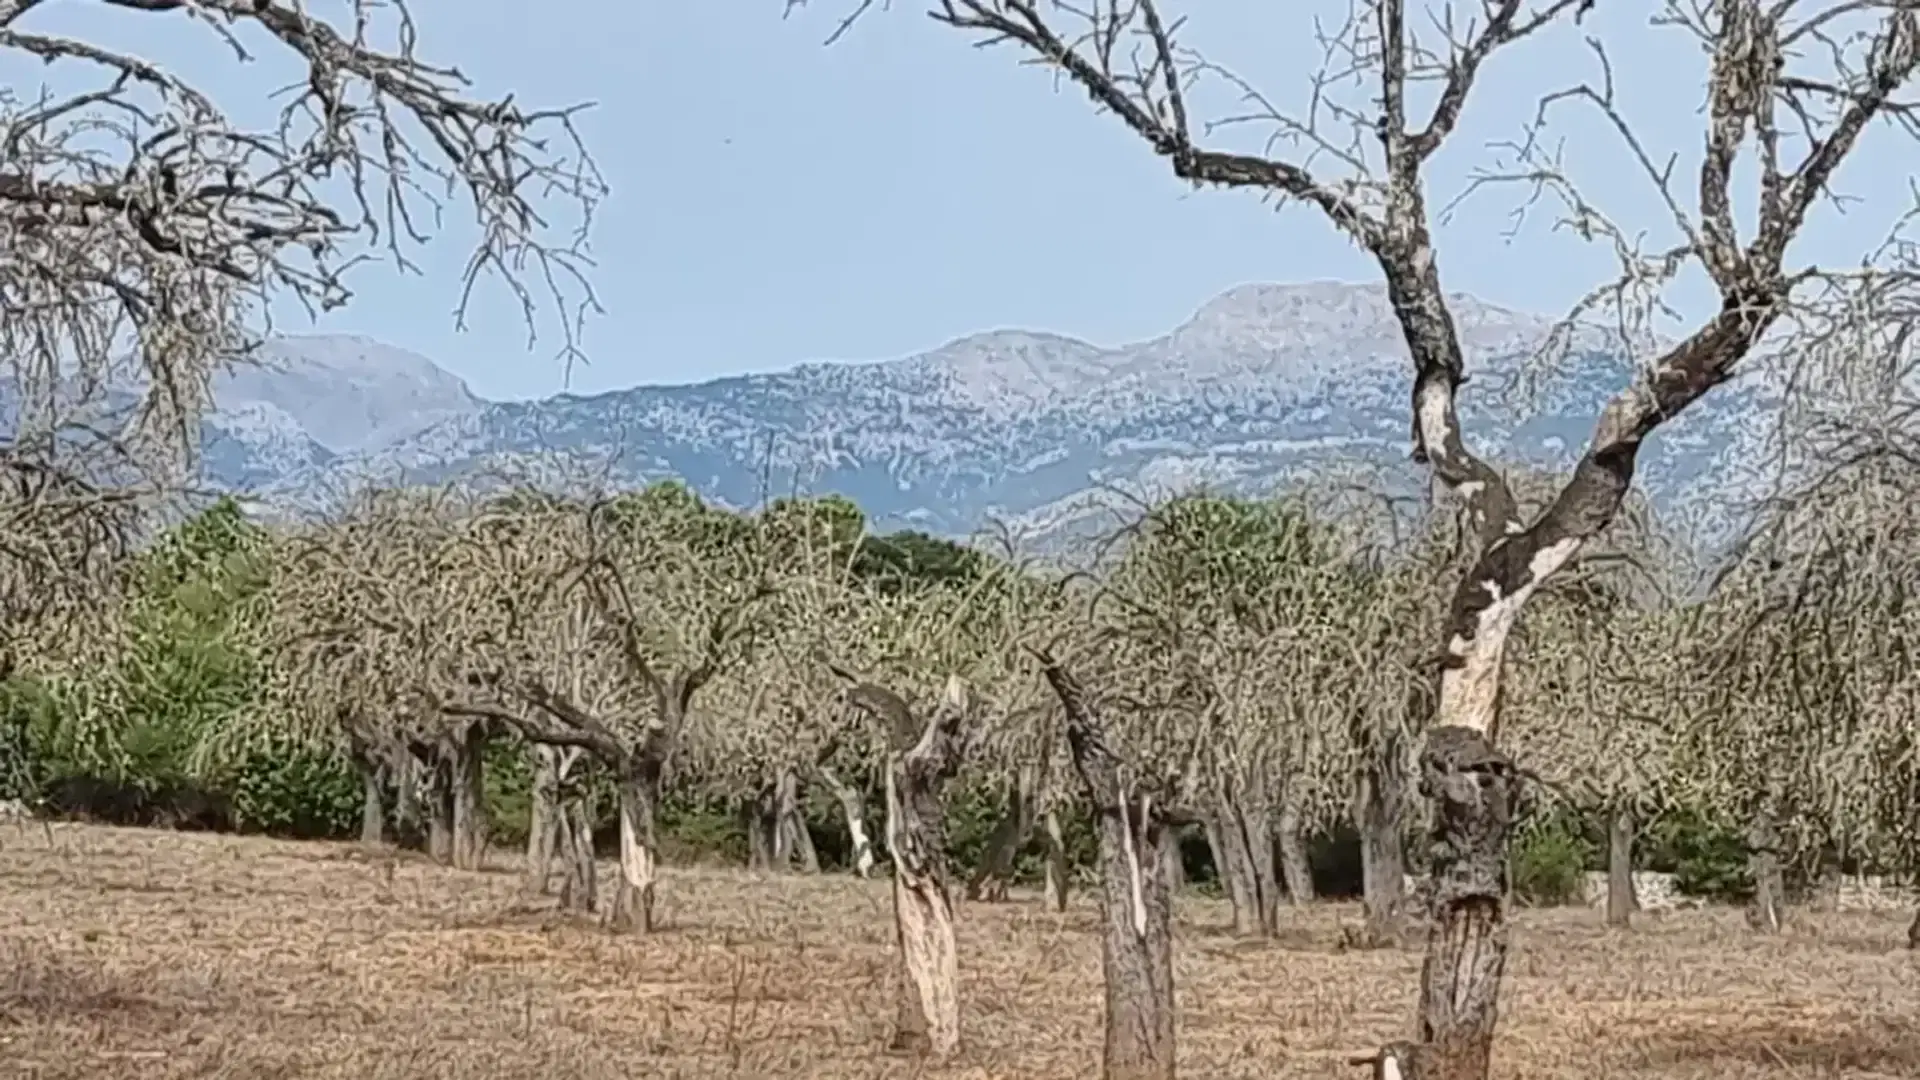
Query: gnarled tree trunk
[
  {"x": 440, "y": 816},
  {"x": 639, "y": 849},
  {"x": 1136, "y": 939},
  {"x": 580, "y": 889},
  {"x": 1295, "y": 868},
  {"x": 1378, "y": 799},
  {"x": 1621, "y": 903},
  {"x": 921, "y": 762},
  {"x": 373, "y": 812},
  {"x": 466, "y": 754},
  {"x": 544, "y": 825},
  {"x": 1234, "y": 863}
]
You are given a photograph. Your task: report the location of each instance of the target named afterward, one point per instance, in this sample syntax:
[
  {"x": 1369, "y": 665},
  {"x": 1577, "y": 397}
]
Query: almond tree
[
  {"x": 665, "y": 597},
  {"x": 1369, "y": 180},
  {"x": 141, "y": 219}
]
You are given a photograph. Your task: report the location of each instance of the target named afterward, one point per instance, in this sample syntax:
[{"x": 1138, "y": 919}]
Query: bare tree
[
  {"x": 1755, "y": 87},
  {"x": 137, "y": 215}
]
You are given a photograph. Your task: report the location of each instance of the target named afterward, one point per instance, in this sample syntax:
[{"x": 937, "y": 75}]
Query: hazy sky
[{"x": 774, "y": 201}]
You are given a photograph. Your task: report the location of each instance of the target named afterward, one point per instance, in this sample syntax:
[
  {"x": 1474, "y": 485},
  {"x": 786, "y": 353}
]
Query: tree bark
[
  {"x": 1378, "y": 799},
  {"x": 995, "y": 872},
  {"x": 579, "y": 891},
  {"x": 1176, "y": 865},
  {"x": 1059, "y": 885},
  {"x": 856, "y": 814},
  {"x": 440, "y": 815},
  {"x": 467, "y": 776},
  {"x": 1294, "y": 865},
  {"x": 1767, "y": 912},
  {"x": 1136, "y": 940},
  {"x": 1234, "y": 863},
  {"x": 1913, "y": 932},
  {"x": 756, "y": 817},
  {"x": 544, "y": 824},
  {"x": 373, "y": 813},
  {"x": 639, "y": 849},
  {"x": 1621, "y": 903},
  {"x": 921, "y": 763},
  {"x": 1473, "y": 787}
]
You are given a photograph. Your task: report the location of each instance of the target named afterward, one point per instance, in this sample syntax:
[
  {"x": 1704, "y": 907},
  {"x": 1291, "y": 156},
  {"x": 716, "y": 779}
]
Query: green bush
[
  {"x": 1707, "y": 859},
  {"x": 1550, "y": 864},
  {"x": 295, "y": 793}
]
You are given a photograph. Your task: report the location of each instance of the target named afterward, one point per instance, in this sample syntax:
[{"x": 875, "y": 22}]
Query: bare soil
[{"x": 129, "y": 953}]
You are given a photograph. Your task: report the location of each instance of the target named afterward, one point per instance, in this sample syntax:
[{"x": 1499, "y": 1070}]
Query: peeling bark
[
  {"x": 922, "y": 760},
  {"x": 1621, "y": 903},
  {"x": 639, "y": 849},
  {"x": 1136, "y": 940}
]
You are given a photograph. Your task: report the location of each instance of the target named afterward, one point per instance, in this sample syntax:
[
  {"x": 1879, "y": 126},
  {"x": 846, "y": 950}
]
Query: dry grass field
[{"x": 158, "y": 955}]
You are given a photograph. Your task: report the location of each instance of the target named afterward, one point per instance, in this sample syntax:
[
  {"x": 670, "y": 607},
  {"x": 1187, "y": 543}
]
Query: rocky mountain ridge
[{"x": 1264, "y": 386}]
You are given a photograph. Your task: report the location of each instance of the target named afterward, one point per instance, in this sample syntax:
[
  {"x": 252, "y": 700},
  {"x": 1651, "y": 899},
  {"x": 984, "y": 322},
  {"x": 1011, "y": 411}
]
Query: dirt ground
[{"x": 156, "y": 955}]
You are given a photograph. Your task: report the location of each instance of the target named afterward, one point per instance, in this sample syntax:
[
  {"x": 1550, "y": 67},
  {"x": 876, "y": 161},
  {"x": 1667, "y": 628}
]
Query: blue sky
[{"x": 774, "y": 201}]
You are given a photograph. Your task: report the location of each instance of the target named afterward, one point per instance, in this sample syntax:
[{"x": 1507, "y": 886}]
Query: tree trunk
[
  {"x": 756, "y": 816},
  {"x": 921, "y": 762},
  {"x": 856, "y": 815},
  {"x": 1176, "y": 866},
  {"x": 1621, "y": 903},
  {"x": 1294, "y": 866},
  {"x": 579, "y": 892},
  {"x": 639, "y": 849},
  {"x": 1913, "y": 932},
  {"x": 440, "y": 816},
  {"x": 373, "y": 813},
  {"x": 1059, "y": 866},
  {"x": 1234, "y": 863},
  {"x": 544, "y": 825},
  {"x": 1473, "y": 787},
  {"x": 1136, "y": 940},
  {"x": 467, "y": 776},
  {"x": 406, "y": 798},
  {"x": 1383, "y": 863},
  {"x": 790, "y": 826},
  {"x": 995, "y": 873},
  {"x": 1768, "y": 911}
]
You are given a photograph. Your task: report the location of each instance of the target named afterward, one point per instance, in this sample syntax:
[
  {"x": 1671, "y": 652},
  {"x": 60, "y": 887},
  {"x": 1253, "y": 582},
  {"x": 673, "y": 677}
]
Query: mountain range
[{"x": 1264, "y": 386}]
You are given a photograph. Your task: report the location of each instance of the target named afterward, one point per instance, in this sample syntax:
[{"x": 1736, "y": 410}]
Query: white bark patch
[
  {"x": 862, "y": 846},
  {"x": 1469, "y": 690},
  {"x": 1435, "y": 428},
  {"x": 1390, "y": 1069},
  {"x": 636, "y": 859},
  {"x": 1136, "y": 886}
]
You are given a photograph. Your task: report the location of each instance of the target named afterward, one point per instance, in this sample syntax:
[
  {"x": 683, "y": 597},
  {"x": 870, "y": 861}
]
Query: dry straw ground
[{"x": 149, "y": 954}]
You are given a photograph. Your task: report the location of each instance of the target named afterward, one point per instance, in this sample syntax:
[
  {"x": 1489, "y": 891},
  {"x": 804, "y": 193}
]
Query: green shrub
[
  {"x": 1707, "y": 859},
  {"x": 288, "y": 792},
  {"x": 1550, "y": 864}
]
